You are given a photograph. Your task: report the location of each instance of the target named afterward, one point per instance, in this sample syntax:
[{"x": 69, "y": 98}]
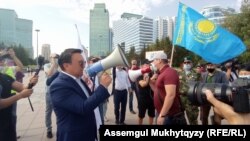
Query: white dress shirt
[{"x": 96, "y": 111}]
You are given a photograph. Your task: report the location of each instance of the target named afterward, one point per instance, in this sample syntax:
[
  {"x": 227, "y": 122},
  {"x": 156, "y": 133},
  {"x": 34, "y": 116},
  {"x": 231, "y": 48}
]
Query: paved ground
[{"x": 31, "y": 125}]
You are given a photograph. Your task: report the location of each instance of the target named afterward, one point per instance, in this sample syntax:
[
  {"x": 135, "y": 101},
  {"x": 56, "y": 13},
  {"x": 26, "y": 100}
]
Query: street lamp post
[
  {"x": 37, "y": 30},
  {"x": 100, "y": 46}
]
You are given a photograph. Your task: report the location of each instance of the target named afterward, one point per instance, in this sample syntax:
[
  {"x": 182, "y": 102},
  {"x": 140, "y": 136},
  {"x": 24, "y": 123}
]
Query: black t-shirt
[
  {"x": 5, "y": 114},
  {"x": 6, "y": 83},
  {"x": 144, "y": 93}
]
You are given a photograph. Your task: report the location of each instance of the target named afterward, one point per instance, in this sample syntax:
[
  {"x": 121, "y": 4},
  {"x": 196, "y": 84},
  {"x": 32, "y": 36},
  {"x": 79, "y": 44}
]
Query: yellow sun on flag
[{"x": 206, "y": 26}]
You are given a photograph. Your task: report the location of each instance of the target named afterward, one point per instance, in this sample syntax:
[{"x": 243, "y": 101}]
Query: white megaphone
[
  {"x": 134, "y": 74},
  {"x": 116, "y": 58}
]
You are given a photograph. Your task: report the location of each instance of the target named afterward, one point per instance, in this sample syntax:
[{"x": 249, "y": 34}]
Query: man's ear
[{"x": 66, "y": 66}]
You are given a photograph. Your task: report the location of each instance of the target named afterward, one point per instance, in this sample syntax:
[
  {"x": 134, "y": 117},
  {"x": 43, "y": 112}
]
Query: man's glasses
[
  {"x": 187, "y": 63},
  {"x": 81, "y": 63}
]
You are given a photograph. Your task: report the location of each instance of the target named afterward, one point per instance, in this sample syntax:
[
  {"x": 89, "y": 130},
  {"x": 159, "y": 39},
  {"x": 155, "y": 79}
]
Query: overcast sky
[{"x": 56, "y": 18}]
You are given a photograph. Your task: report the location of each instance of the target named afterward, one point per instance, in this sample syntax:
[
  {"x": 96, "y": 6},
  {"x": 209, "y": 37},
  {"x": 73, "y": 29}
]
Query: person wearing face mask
[
  {"x": 244, "y": 72},
  {"x": 227, "y": 111},
  {"x": 188, "y": 75},
  {"x": 165, "y": 85},
  {"x": 230, "y": 70},
  {"x": 211, "y": 76},
  {"x": 50, "y": 69}
]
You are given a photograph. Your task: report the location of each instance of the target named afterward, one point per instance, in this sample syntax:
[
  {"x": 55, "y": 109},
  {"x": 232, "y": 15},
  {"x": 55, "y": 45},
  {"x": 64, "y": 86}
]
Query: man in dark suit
[
  {"x": 76, "y": 108},
  {"x": 211, "y": 76}
]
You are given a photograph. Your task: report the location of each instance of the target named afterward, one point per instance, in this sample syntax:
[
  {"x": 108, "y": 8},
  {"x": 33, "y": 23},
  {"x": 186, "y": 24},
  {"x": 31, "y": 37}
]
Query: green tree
[
  {"x": 239, "y": 25},
  {"x": 21, "y": 53}
]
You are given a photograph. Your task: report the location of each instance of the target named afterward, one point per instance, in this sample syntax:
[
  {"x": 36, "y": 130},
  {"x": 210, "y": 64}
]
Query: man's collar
[{"x": 75, "y": 78}]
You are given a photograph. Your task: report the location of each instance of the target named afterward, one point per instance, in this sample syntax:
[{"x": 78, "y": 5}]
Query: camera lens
[{"x": 197, "y": 96}]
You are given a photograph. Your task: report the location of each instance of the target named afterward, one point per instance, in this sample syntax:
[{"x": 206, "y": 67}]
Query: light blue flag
[{"x": 201, "y": 36}]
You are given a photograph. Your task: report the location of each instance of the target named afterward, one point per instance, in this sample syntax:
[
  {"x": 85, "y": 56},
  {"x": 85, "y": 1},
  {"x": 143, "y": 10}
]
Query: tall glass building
[
  {"x": 99, "y": 36},
  {"x": 133, "y": 30},
  {"x": 216, "y": 13},
  {"x": 15, "y": 31}
]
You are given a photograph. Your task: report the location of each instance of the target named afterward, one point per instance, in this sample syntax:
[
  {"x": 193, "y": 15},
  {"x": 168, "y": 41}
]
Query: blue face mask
[{"x": 187, "y": 67}]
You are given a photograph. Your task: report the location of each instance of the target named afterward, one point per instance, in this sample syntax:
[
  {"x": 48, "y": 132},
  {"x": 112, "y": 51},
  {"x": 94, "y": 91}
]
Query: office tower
[
  {"x": 15, "y": 31},
  {"x": 46, "y": 51},
  {"x": 163, "y": 27},
  {"x": 133, "y": 30},
  {"x": 99, "y": 36}
]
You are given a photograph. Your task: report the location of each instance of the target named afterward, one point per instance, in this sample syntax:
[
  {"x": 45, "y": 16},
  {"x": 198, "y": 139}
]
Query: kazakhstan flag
[{"x": 201, "y": 36}]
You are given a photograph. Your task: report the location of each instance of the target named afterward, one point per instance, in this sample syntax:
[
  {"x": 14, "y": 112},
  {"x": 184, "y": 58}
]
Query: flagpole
[
  {"x": 172, "y": 54},
  {"x": 80, "y": 46},
  {"x": 78, "y": 34}
]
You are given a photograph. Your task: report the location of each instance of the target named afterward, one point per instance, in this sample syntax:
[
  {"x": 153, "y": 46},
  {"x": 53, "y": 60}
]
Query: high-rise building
[
  {"x": 46, "y": 51},
  {"x": 133, "y": 30},
  {"x": 15, "y": 31},
  {"x": 216, "y": 13},
  {"x": 163, "y": 27},
  {"x": 174, "y": 19},
  {"x": 160, "y": 28},
  {"x": 99, "y": 36}
]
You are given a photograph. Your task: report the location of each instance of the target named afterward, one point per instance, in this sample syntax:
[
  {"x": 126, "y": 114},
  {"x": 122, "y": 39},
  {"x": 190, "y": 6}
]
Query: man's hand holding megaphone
[{"x": 134, "y": 74}]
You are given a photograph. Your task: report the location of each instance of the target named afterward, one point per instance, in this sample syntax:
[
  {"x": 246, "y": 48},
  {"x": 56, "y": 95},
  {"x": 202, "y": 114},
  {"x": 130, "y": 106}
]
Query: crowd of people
[{"x": 80, "y": 101}]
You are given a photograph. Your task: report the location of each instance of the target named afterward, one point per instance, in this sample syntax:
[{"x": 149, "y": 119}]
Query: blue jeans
[
  {"x": 178, "y": 119},
  {"x": 120, "y": 98},
  {"x": 48, "y": 112}
]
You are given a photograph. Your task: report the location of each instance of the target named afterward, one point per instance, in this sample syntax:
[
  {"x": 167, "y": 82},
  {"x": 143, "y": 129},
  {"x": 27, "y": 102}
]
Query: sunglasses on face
[
  {"x": 81, "y": 63},
  {"x": 186, "y": 62}
]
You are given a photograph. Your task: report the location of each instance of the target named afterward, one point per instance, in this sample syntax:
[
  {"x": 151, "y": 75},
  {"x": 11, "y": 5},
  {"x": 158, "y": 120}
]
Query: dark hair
[
  {"x": 146, "y": 61},
  {"x": 57, "y": 56},
  {"x": 95, "y": 59},
  {"x": 246, "y": 67},
  {"x": 66, "y": 55}
]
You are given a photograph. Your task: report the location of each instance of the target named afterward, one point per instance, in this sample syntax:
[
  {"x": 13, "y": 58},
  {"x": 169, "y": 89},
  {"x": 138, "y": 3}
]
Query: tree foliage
[
  {"x": 239, "y": 25},
  {"x": 236, "y": 23},
  {"x": 21, "y": 53}
]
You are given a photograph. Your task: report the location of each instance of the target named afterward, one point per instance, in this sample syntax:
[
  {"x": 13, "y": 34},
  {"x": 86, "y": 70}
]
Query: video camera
[
  {"x": 234, "y": 64},
  {"x": 236, "y": 95}
]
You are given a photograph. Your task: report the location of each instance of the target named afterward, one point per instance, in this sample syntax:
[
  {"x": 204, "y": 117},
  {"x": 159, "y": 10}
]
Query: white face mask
[
  {"x": 244, "y": 76},
  {"x": 187, "y": 67},
  {"x": 153, "y": 67}
]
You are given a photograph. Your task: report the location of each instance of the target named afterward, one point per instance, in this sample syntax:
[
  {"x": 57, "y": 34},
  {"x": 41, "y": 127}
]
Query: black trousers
[{"x": 120, "y": 104}]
